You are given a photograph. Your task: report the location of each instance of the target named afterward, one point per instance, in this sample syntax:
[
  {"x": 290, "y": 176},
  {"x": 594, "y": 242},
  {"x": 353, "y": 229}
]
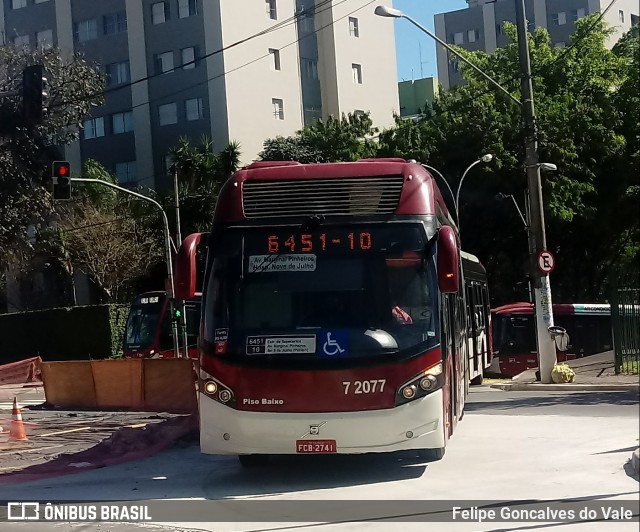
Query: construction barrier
[
  {"x": 21, "y": 372},
  {"x": 149, "y": 385}
]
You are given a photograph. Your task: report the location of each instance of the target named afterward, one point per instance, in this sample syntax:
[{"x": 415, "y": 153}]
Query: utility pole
[
  {"x": 181, "y": 304},
  {"x": 538, "y": 240}
]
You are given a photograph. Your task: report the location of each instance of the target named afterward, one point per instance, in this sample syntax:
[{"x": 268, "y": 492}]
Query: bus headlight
[
  {"x": 428, "y": 381},
  {"x": 216, "y": 390},
  {"x": 408, "y": 392}
]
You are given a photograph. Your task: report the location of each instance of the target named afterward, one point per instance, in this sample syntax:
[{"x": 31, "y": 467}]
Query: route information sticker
[
  {"x": 282, "y": 263},
  {"x": 280, "y": 345}
]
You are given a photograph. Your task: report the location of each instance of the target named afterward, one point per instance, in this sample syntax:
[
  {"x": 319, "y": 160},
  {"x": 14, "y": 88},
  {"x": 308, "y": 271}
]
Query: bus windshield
[
  {"x": 333, "y": 292},
  {"x": 142, "y": 322}
]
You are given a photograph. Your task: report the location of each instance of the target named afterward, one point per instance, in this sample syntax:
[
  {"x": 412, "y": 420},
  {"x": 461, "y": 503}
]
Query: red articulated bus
[
  {"x": 333, "y": 317},
  {"x": 148, "y": 327},
  {"x": 514, "y": 334}
]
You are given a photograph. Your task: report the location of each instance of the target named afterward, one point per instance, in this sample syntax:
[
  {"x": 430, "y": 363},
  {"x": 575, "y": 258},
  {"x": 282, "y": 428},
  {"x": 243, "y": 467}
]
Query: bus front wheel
[{"x": 253, "y": 460}]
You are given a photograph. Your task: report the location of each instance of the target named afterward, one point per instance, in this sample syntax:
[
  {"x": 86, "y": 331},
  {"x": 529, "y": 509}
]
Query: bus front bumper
[{"x": 415, "y": 425}]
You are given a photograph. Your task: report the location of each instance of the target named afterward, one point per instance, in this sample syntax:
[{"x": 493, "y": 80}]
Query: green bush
[{"x": 69, "y": 333}]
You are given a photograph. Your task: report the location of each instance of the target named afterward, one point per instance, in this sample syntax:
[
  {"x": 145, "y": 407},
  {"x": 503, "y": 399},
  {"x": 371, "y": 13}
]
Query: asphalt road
[{"x": 510, "y": 446}]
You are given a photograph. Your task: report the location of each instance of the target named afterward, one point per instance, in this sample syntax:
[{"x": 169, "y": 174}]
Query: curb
[
  {"x": 531, "y": 386},
  {"x": 123, "y": 445},
  {"x": 635, "y": 461}
]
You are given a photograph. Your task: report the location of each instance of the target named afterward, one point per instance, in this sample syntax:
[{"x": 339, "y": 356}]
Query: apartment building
[
  {"x": 183, "y": 68},
  {"x": 479, "y": 26},
  {"x": 415, "y": 95}
]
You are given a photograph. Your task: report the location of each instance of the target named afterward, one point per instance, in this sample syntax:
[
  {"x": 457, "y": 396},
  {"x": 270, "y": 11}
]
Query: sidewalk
[
  {"x": 593, "y": 373},
  {"x": 66, "y": 442}
]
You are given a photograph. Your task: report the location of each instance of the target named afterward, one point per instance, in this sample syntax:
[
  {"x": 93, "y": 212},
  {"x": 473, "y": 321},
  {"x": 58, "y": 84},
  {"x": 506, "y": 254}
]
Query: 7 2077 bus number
[{"x": 360, "y": 387}]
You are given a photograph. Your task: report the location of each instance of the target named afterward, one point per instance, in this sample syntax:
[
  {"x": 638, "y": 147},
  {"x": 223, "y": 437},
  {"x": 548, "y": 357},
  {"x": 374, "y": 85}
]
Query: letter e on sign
[{"x": 546, "y": 261}]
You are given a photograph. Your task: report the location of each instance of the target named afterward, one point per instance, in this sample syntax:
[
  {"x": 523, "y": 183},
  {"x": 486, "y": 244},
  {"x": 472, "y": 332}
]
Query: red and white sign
[{"x": 546, "y": 261}]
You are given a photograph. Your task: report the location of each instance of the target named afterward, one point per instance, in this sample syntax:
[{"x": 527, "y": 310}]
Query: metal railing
[{"x": 625, "y": 319}]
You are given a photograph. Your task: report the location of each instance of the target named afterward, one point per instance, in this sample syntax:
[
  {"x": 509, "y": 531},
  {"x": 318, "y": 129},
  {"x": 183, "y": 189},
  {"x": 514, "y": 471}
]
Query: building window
[
  {"x": 358, "y": 112},
  {"x": 194, "y": 109},
  {"x": 187, "y": 8},
  {"x": 272, "y": 11},
  {"x": 167, "y": 164},
  {"x": 118, "y": 73},
  {"x": 126, "y": 172},
  {"x": 458, "y": 38},
  {"x": 278, "y": 108},
  {"x": 168, "y": 114},
  {"x": 17, "y": 4},
  {"x": 455, "y": 66},
  {"x": 159, "y": 13},
  {"x": 473, "y": 35},
  {"x": 559, "y": 19},
  {"x": 85, "y": 30},
  {"x": 188, "y": 57},
  {"x": 621, "y": 15},
  {"x": 114, "y": 23},
  {"x": 93, "y": 128},
  {"x": 560, "y": 44},
  {"x": 163, "y": 62},
  {"x": 354, "y": 30},
  {"x": 309, "y": 68},
  {"x": 275, "y": 56},
  {"x": 122, "y": 122},
  {"x": 634, "y": 19},
  {"x": 21, "y": 40},
  {"x": 499, "y": 30},
  {"x": 40, "y": 1},
  {"x": 44, "y": 38},
  {"x": 356, "y": 72},
  {"x": 577, "y": 13}
]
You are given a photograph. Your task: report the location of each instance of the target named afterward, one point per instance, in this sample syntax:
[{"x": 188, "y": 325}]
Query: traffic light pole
[
  {"x": 538, "y": 239},
  {"x": 167, "y": 237},
  {"x": 181, "y": 303}
]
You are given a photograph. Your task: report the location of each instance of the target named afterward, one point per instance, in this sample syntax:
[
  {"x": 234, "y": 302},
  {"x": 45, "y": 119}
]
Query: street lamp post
[
  {"x": 544, "y": 312},
  {"x": 167, "y": 238},
  {"x": 484, "y": 159}
]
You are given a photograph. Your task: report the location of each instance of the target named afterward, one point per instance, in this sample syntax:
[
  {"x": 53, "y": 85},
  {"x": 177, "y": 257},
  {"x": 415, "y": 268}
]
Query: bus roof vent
[{"x": 333, "y": 197}]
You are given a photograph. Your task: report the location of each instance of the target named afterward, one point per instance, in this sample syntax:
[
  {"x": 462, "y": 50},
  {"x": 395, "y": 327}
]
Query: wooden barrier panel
[
  {"x": 118, "y": 383},
  {"x": 69, "y": 384},
  {"x": 151, "y": 385},
  {"x": 170, "y": 385}
]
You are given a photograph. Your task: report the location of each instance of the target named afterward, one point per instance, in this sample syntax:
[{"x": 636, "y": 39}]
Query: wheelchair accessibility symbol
[{"x": 334, "y": 343}]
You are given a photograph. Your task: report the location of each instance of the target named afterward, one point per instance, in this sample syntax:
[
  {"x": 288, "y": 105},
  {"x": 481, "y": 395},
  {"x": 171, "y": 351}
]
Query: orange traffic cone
[{"x": 17, "y": 432}]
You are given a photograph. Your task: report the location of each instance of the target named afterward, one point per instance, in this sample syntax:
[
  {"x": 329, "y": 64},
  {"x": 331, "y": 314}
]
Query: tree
[
  {"x": 26, "y": 154},
  {"x": 348, "y": 138},
  {"x": 583, "y": 97},
  {"x": 201, "y": 173}
]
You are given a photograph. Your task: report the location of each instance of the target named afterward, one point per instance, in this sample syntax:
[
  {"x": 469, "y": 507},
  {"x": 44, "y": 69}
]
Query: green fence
[{"x": 625, "y": 318}]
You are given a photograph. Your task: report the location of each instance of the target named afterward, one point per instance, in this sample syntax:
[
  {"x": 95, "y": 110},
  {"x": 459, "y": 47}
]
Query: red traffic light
[{"x": 61, "y": 169}]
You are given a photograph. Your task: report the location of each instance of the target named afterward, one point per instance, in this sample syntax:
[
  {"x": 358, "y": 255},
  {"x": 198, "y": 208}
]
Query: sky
[{"x": 411, "y": 43}]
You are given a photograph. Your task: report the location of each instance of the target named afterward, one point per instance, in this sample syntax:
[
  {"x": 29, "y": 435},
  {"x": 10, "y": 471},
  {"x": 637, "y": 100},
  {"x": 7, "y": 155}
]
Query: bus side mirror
[
  {"x": 448, "y": 261},
  {"x": 185, "y": 268}
]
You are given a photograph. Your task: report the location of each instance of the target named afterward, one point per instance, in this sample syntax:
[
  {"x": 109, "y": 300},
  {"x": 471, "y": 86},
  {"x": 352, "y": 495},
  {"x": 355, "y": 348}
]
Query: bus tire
[
  {"x": 477, "y": 380},
  {"x": 253, "y": 460},
  {"x": 432, "y": 455}
]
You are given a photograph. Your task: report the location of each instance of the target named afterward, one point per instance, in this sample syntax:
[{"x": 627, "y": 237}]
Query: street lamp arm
[
  {"x": 462, "y": 180},
  {"x": 431, "y": 168},
  {"x": 463, "y": 59}
]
